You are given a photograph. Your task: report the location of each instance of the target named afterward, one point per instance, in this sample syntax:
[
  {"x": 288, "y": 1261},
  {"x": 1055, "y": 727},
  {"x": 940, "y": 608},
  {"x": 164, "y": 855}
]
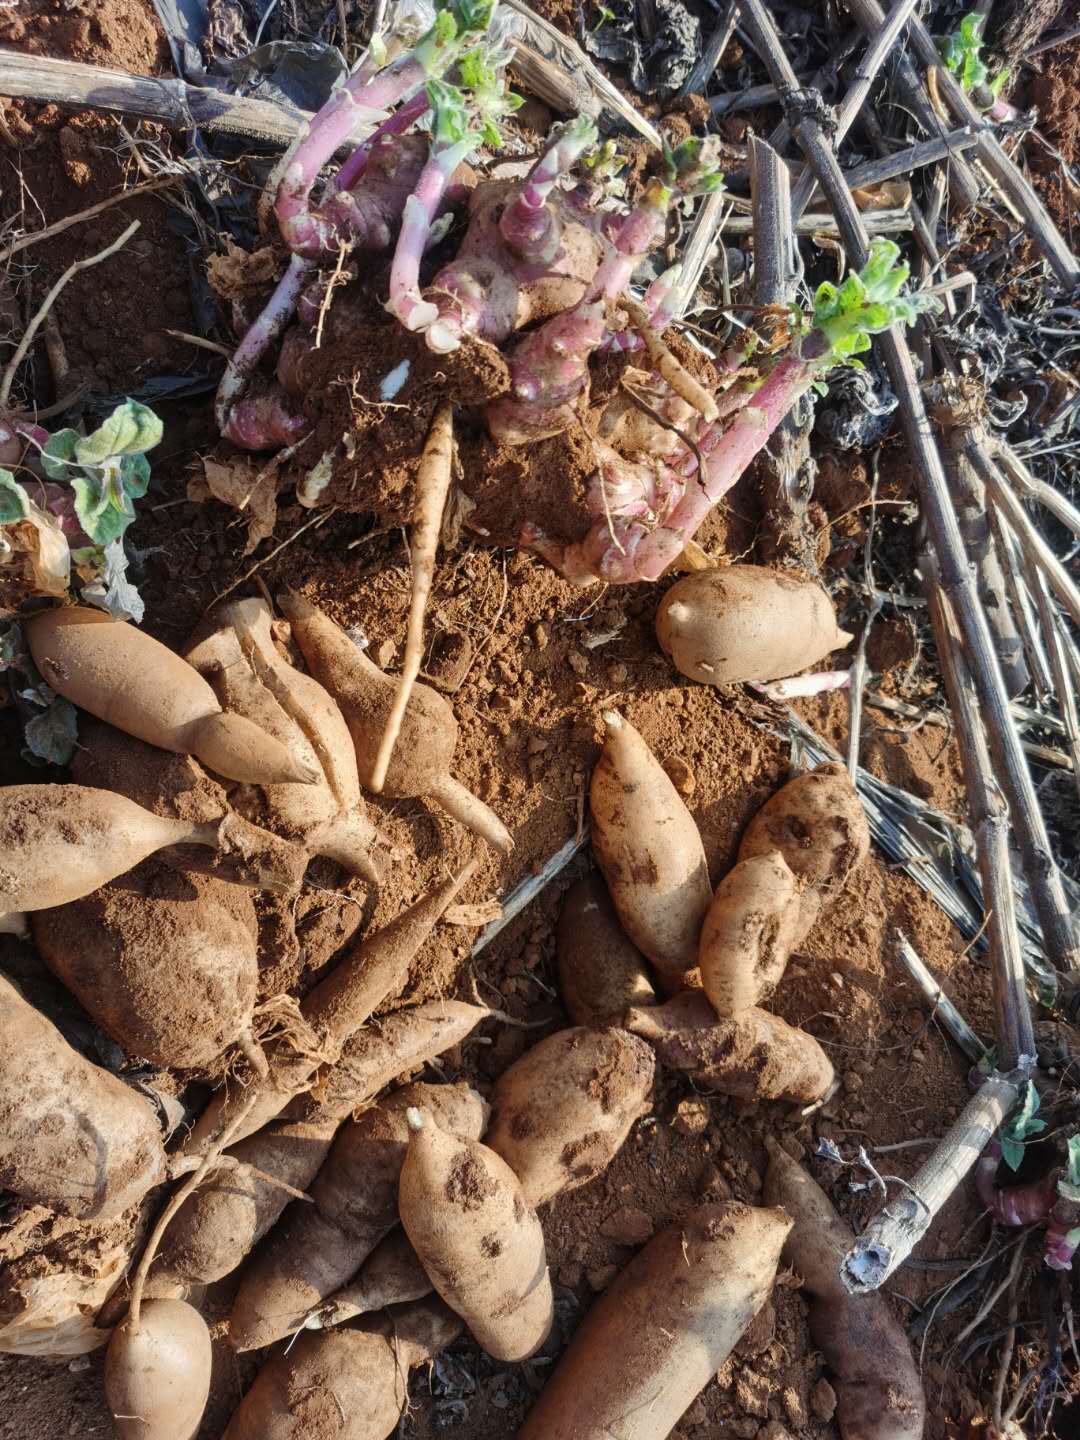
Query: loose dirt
[{"x": 529, "y": 663}]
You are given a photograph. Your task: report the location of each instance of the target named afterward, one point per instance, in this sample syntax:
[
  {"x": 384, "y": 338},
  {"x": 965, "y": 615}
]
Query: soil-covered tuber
[
  {"x": 749, "y": 932},
  {"x": 601, "y": 971},
  {"x": 157, "y": 1372}
]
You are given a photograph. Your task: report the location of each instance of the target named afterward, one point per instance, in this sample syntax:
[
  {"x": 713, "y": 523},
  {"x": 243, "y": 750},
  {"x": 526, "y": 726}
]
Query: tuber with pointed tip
[
  {"x": 344, "y": 1384},
  {"x": 315, "y": 1248},
  {"x": 234, "y": 651},
  {"x": 750, "y": 930},
  {"x": 466, "y": 1216},
  {"x": 752, "y": 1055},
  {"x": 655, "y": 1338},
  {"x": 879, "y": 1393},
  {"x": 420, "y": 765},
  {"x": 166, "y": 964},
  {"x": 72, "y": 1136},
  {"x": 817, "y": 822},
  {"x": 562, "y": 1112},
  {"x": 391, "y": 1275},
  {"x": 648, "y": 847},
  {"x": 157, "y": 1372},
  {"x": 124, "y": 676},
  {"x": 601, "y": 971},
  {"x": 745, "y": 622}
]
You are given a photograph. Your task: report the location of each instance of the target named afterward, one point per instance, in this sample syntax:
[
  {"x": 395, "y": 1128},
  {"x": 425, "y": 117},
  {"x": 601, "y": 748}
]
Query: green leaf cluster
[
  {"x": 1020, "y": 1128},
  {"x": 962, "y": 53},
  {"x": 107, "y": 470},
  {"x": 867, "y": 303},
  {"x": 693, "y": 166}
]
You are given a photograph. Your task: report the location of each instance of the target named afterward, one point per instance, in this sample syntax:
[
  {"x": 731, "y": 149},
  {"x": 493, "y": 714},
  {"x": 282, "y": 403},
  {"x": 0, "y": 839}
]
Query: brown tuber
[
  {"x": 72, "y": 1136},
  {"x": 467, "y": 1219},
  {"x": 157, "y": 1372},
  {"x": 749, "y": 933},
  {"x": 878, "y": 1389},
  {"x": 753, "y": 1055},
  {"x": 817, "y": 822},
  {"x": 561, "y": 1113},
  {"x": 124, "y": 676},
  {"x": 745, "y": 622},
  {"x": 420, "y": 764},
  {"x": 660, "y": 1332},
  {"x": 601, "y": 971},
  {"x": 649, "y": 849}
]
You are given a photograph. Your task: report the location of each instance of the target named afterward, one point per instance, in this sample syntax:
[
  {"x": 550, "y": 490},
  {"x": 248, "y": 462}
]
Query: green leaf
[
  {"x": 1012, "y": 1152},
  {"x": 104, "y": 513},
  {"x": 997, "y": 84},
  {"x": 58, "y": 456},
  {"x": 14, "y": 501},
  {"x": 1072, "y": 1237},
  {"x": 1074, "y": 1160},
  {"x": 131, "y": 429},
  {"x": 135, "y": 475},
  {"x": 51, "y": 736}
]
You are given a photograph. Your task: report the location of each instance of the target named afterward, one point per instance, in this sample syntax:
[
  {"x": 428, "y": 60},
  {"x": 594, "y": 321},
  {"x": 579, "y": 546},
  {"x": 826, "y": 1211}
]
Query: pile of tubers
[{"x": 371, "y": 1222}]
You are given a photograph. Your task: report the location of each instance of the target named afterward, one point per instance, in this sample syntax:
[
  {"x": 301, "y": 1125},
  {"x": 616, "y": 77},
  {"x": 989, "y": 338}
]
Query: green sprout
[
  {"x": 1020, "y": 1128},
  {"x": 962, "y": 53},
  {"x": 605, "y": 15},
  {"x": 868, "y": 302},
  {"x": 692, "y": 167},
  {"x": 478, "y": 71}
]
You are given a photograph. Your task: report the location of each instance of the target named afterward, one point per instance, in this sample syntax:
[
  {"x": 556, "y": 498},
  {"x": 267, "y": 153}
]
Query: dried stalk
[
  {"x": 1059, "y": 643},
  {"x": 941, "y": 1006},
  {"x": 866, "y": 72},
  {"x": 1010, "y": 764},
  {"x": 787, "y": 469},
  {"x": 1034, "y": 489},
  {"x": 1023, "y": 606},
  {"x": 892, "y": 1235},
  {"x": 963, "y": 185},
  {"x": 699, "y": 77},
  {"x": 914, "y": 157}
]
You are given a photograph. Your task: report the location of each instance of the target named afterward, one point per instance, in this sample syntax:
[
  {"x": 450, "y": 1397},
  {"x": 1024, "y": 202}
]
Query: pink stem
[
  {"x": 259, "y": 336},
  {"x": 395, "y": 124},
  {"x": 421, "y": 208}
]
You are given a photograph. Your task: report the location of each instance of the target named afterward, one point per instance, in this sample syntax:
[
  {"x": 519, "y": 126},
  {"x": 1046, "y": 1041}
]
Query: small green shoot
[
  {"x": 867, "y": 303},
  {"x": 108, "y": 470},
  {"x": 606, "y": 16},
  {"x": 1022, "y": 1126},
  {"x": 962, "y": 53}
]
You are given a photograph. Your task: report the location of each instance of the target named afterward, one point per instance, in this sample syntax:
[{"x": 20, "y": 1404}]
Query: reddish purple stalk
[
  {"x": 395, "y": 124},
  {"x": 1039, "y": 1202},
  {"x": 421, "y": 208},
  {"x": 528, "y": 224},
  {"x": 259, "y": 336}
]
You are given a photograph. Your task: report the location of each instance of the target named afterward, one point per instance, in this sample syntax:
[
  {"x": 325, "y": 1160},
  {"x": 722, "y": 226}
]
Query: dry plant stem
[
  {"x": 1023, "y": 606},
  {"x": 891, "y": 1236},
  {"x": 1036, "y": 551},
  {"x": 1058, "y": 642},
  {"x": 989, "y": 819},
  {"x": 177, "y": 1198},
  {"x": 699, "y": 248},
  {"x": 866, "y": 72},
  {"x": 432, "y": 487},
  {"x": 904, "y": 162},
  {"x": 957, "y": 582},
  {"x": 711, "y": 55},
  {"x": 878, "y": 222},
  {"x": 786, "y": 468},
  {"x": 1034, "y": 489},
  {"x": 991, "y": 154},
  {"x": 46, "y": 305},
  {"x": 963, "y": 183},
  {"x": 942, "y": 1008},
  {"x": 147, "y": 187}
]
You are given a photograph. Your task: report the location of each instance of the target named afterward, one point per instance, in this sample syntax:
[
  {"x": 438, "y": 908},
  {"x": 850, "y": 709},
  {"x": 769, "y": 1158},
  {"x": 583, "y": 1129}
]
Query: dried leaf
[
  {"x": 483, "y": 913},
  {"x": 236, "y": 274},
  {"x": 886, "y": 195},
  {"x": 240, "y": 485}
]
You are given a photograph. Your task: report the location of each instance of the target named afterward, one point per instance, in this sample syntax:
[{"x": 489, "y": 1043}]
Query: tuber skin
[
  {"x": 817, "y": 822},
  {"x": 601, "y": 972},
  {"x": 60, "y": 842},
  {"x": 72, "y": 1136},
  {"x": 372, "y": 972},
  {"x": 562, "y": 1112},
  {"x": 648, "y": 847},
  {"x": 878, "y": 1389},
  {"x": 237, "y": 655},
  {"x": 220, "y": 1224},
  {"x": 157, "y": 1375},
  {"x": 745, "y": 622},
  {"x": 750, "y": 930},
  {"x": 420, "y": 765},
  {"x": 317, "y": 1247},
  {"x": 655, "y": 1338},
  {"x": 391, "y": 1275},
  {"x": 482, "y": 1246},
  {"x": 124, "y": 676},
  {"x": 753, "y": 1055},
  {"x": 165, "y": 964},
  {"x": 344, "y": 1384}
]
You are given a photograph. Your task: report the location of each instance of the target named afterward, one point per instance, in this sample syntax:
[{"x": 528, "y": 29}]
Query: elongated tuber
[
  {"x": 391, "y": 1275},
  {"x": 124, "y": 676},
  {"x": 649, "y": 849},
  {"x": 660, "y": 1332},
  {"x": 754, "y": 1055},
  {"x": 420, "y": 764},
  {"x": 561, "y": 1113},
  {"x": 601, "y": 971},
  {"x": 744, "y": 622},
  {"x": 466, "y": 1216},
  {"x": 157, "y": 1375},
  {"x": 72, "y": 1136},
  {"x": 316, "y": 1247},
  {"x": 879, "y": 1392},
  {"x": 749, "y": 932}
]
